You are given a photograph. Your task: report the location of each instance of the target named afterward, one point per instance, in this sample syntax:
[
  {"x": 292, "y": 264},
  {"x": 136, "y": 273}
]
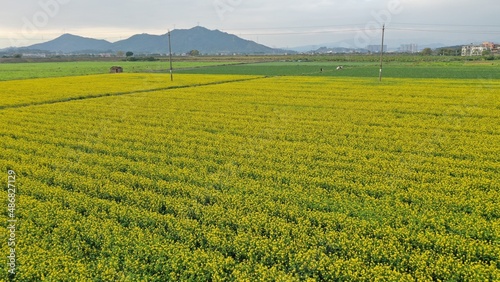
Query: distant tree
[
  {"x": 194, "y": 53},
  {"x": 129, "y": 54},
  {"x": 18, "y": 56},
  {"x": 427, "y": 52},
  {"x": 486, "y": 53},
  {"x": 450, "y": 51},
  {"x": 120, "y": 53}
]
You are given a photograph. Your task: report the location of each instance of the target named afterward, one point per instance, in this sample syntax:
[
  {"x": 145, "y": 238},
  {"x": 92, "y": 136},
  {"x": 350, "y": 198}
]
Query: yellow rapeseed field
[
  {"x": 265, "y": 179},
  {"x": 60, "y": 89}
]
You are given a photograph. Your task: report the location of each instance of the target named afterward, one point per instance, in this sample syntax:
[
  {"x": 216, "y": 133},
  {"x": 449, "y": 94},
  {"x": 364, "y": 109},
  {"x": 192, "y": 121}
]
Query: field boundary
[{"x": 50, "y": 102}]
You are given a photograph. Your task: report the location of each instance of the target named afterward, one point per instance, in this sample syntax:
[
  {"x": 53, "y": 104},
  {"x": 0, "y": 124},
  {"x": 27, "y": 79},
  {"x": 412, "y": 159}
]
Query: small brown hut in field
[{"x": 115, "y": 69}]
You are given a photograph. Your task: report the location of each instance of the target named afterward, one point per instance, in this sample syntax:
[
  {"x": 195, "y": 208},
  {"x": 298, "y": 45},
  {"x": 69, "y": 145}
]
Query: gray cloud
[{"x": 275, "y": 23}]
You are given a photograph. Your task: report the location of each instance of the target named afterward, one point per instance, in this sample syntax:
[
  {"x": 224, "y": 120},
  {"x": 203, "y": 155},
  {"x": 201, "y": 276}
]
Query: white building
[
  {"x": 34, "y": 55},
  {"x": 409, "y": 48},
  {"x": 375, "y": 48},
  {"x": 473, "y": 50}
]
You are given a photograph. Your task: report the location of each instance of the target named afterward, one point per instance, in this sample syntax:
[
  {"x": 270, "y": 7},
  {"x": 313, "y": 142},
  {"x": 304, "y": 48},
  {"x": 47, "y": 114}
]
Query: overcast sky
[{"x": 276, "y": 23}]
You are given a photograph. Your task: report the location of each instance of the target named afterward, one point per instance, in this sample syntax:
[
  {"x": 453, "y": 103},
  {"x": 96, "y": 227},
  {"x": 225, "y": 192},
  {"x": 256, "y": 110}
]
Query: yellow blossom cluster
[{"x": 268, "y": 179}]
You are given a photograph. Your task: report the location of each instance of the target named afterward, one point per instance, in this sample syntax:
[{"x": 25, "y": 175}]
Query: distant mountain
[
  {"x": 338, "y": 50},
  {"x": 311, "y": 48},
  {"x": 68, "y": 43},
  {"x": 350, "y": 46},
  {"x": 198, "y": 38},
  {"x": 143, "y": 43},
  {"x": 347, "y": 46},
  {"x": 215, "y": 41},
  {"x": 432, "y": 46}
]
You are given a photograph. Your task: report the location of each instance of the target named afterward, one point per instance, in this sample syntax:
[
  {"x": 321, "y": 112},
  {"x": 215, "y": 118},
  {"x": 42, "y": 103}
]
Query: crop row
[
  {"x": 271, "y": 179},
  {"x": 17, "y": 93}
]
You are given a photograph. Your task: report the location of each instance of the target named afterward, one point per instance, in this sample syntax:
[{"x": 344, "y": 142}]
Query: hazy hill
[
  {"x": 184, "y": 40},
  {"x": 68, "y": 43},
  {"x": 215, "y": 41},
  {"x": 143, "y": 43}
]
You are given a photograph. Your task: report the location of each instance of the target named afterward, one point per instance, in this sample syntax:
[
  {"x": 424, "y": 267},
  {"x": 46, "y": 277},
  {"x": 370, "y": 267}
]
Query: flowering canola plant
[{"x": 281, "y": 178}]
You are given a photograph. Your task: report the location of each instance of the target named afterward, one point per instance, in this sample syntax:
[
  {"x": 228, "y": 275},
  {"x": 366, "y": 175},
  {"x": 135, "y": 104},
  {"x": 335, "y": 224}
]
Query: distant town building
[
  {"x": 375, "y": 48},
  {"x": 493, "y": 47},
  {"x": 477, "y": 50},
  {"x": 409, "y": 48},
  {"x": 490, "y": 45},
  {"x": 34, "y": 55},
  {"x": 473, "y": 50}
]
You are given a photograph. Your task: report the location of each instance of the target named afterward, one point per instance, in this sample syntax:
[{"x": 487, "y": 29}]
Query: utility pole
[
  {"x": 382, "y": 53},
  {"x": 170, "y": 52}
]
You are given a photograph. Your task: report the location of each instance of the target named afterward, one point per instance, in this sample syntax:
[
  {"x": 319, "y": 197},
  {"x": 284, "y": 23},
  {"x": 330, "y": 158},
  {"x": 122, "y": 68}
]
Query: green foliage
[
  {"x": 427, "y": 52},
  {"x": 194, "y": 53},
  {"x": 486, "y": 53},
  {"x": 457, "y": 51},
  {"x": 137, "y": 59}
]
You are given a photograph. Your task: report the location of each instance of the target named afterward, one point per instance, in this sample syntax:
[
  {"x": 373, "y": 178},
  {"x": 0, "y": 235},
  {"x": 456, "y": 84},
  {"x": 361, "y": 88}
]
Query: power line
[
  {"x": 299, "y": 27},
  {"x": 362, "y": 27},
  {"x": 443, "y": 24},
  {"x": 308, "y": 32},
  {"x": 448, "y": 31}
]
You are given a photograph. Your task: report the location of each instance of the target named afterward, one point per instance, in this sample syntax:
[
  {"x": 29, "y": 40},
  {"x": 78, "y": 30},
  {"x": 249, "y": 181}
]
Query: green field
[
  {"x": 353, "y": 67},
  {"x": 11, "y": 71},
  {"x": 275, "y": 172},
  {"x": 456, "y": 70}
]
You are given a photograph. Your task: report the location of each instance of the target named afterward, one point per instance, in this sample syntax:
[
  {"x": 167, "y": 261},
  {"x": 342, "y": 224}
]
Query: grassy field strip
[
  {"x": 451, "y": 70},
  {"x": 22, "y": 93},
  {"x": 26, "y": 71}
]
